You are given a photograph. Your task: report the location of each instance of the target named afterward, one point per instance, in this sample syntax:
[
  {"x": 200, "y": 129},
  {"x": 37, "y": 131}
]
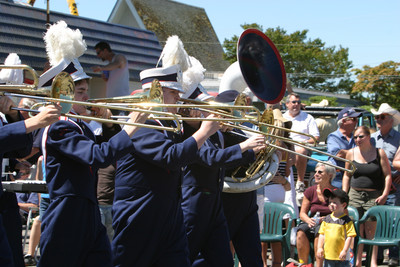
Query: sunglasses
[
  {"x": 296, "y": 102},
  {"x": 358, "y": 136},
  {"x": 350, "y": 119},
  {"x": 319, "y": 172},
  {"x": 381, "y": 117}
]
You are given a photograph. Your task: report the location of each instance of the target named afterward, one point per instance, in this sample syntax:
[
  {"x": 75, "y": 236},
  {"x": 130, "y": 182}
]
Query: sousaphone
[{"x": 261, "y": 69}]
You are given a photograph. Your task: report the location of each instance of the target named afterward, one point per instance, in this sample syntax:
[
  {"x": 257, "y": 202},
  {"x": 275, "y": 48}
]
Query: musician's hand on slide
[
  {"x": 138, "y": 117},
  {"x": 256, "y": 142}
]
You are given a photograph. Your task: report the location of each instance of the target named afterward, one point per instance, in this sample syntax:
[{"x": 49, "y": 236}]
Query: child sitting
[{"x": 337, "y": 231}]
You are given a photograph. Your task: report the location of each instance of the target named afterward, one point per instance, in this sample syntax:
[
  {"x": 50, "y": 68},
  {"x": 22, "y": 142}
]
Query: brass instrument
[
  {"x": 62, "y": 91},
  {"x": 260, "y": 67},
  {"x": 232, "y": 113}
]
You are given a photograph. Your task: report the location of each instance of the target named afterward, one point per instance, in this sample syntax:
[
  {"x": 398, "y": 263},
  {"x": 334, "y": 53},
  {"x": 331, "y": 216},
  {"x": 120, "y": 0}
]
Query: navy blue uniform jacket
[
  {"x": 205, "y": 222},
  {"x": 72, "y": 233},
  {"x": 14, "y": 143},
  {"x": 147, "y": 215}
]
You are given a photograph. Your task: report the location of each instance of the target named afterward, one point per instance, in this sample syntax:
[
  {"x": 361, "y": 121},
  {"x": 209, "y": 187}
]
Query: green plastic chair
[
  {"x": 353, "y": 213},
  {"x": 387, "y": 228},
  {"x": 273, "y": 226}
]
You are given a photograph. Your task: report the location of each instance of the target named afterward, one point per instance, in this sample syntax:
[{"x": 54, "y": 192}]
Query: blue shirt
[
  {"x": 27, "y": 198},
  {"x": 389, "y": 143},
  {"x": 337, "y": 141}
]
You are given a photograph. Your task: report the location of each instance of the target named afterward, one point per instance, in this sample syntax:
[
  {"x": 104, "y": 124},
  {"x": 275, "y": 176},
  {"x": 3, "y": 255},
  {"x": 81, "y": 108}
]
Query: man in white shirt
[
  {"x": 116, "y": 72},
  {"x": 301, "y": 122}
]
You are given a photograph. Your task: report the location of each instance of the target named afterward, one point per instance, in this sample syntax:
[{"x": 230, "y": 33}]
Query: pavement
[{"x": 269, "y": 262}]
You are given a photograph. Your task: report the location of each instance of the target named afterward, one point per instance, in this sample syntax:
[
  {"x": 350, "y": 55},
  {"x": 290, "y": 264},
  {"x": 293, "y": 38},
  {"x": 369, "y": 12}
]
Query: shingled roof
[
  {"x": 191, "y": 24},
  {"x": 22, "y": 29}
]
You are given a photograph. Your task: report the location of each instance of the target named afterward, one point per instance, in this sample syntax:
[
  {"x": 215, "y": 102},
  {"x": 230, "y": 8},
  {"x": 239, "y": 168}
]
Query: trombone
[
  {"x": 237, "y": 115},
  {"x": 353, "y": 167},
  {"x": 214, "y": 108},
  {"x": 62, "y": 90}
]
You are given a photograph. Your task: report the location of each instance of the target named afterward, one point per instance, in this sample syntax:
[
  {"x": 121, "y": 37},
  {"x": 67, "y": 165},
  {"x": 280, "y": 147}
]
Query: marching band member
[
  {"x": 16, "y": 142},
  {"x": 240, "y": 209},
  {"x": 147, "y": 213},
  {"x": 206, "y": 226},
  {"x": 72, "y": 233}
]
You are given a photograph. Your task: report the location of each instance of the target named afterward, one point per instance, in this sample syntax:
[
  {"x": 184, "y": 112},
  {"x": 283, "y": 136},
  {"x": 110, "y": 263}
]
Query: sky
[{"x": 369, "y": 28}]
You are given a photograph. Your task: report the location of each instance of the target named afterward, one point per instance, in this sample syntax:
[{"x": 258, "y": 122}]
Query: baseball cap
[
  {"x": 348, "y": 113},
  {"x": 337, "y": 192}
]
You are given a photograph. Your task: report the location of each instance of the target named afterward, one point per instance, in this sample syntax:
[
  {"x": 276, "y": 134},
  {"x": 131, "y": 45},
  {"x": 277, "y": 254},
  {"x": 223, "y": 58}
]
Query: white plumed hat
[
  {"x": 63, "y": 47},
  {"x": 12, "y": 76},
  {"x": 192, "y": 78}
]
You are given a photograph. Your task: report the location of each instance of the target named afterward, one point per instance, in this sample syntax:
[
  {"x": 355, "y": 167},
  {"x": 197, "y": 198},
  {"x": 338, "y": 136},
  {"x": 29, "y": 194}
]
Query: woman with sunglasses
[
  {"x": 370, "y": 183},
  {"x": 313, "y": 202}
]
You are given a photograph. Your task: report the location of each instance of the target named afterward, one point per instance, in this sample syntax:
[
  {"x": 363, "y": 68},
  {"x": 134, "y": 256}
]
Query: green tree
[
  {"x": 308, "y": 63},
  {"x": 380, "y": 84}
]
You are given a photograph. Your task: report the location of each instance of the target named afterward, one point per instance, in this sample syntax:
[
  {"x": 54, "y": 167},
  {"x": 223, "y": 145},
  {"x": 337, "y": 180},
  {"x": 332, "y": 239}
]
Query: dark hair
[
  {"x": 341, "y": 200},
  {"x": 103, "y": 45},
  {"x": 364, "y": 128}
]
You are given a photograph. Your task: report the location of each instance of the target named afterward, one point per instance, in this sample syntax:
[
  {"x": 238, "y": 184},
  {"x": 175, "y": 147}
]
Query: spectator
[
  {"x": 34, "y": 237},
  {"x": 116, "y": 72},
  {"x": 26, "y": 103},
  {"x": 389, "y": 140},
  {"x": 27, "y": 201},
  {"x": 370, "y": 183},
  {"x": 337, "y": 231},
  {"x": 313, "y": 202},
  {"x": 341, "y": 140},
  {"x": 305, "y": 123}
]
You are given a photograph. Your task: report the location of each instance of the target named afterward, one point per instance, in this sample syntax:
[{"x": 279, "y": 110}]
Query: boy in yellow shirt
[{"x": 337, "y": 231}]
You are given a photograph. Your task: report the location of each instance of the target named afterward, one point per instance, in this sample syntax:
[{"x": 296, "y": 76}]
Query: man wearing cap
[
  {"x": 341, "y": 140},
  {"x": 389, "y": 140},
  {"x": 147, "y": 213}
]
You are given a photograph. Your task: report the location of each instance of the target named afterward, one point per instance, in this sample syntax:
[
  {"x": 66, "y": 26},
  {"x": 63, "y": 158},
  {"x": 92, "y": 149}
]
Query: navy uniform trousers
[
  {"x": 14, "y": 143},
  {"x": 205, "y": 222},
  {"x": 241, "y": 213},
  {"x": 147, "y": 213},
  {"x": 72, "y": 233},
  {"x": 240, "y": 210}
]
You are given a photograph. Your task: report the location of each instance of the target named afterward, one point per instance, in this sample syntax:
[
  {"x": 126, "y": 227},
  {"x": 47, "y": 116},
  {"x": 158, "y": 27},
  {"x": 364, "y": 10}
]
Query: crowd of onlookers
[{"x": 371, "y": 178}]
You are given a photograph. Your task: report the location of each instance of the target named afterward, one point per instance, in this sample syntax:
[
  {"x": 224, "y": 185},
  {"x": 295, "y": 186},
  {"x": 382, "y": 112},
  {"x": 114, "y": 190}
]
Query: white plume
[
  {"x": 12, "y": 76},
  {"x": 63, "y": 43},
  {"x": 174, "y": 53},
  {"x": 193, "y": 75}
]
